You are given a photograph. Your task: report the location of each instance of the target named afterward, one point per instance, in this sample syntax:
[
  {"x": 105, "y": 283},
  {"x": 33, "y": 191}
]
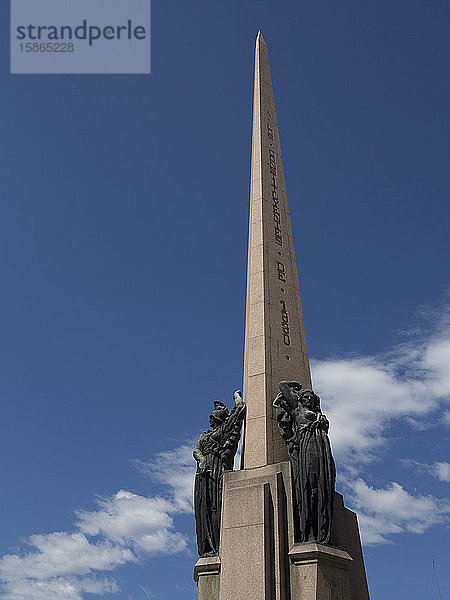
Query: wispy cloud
[
  {"x": 363, "y": 397},
  {"x": 442, "y": 471},
  {"x": 392, "y": 510},
  {"x": 58, "y": 588},
  {"x": 142, "y": 525},
  {"x": 174, "y": 468},
  {"x": 146, "y": 592},
  {"x": 126, "y": 527}
]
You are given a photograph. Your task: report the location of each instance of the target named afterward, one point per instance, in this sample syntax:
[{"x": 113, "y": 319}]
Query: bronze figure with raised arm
[
  {"x": 214, "y": 453},
  {"x": 305, "y": 431}
]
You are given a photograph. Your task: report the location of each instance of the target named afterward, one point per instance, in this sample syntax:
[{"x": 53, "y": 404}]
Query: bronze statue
[
  {"x": 305, "y": 430},
  {"x": 214, "y": 453}
]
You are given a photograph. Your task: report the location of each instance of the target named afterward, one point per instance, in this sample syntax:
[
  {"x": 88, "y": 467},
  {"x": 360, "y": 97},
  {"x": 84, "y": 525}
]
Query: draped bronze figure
[
  {"x": 305, "y": 431},
  {"x": 214, "y": 453}
]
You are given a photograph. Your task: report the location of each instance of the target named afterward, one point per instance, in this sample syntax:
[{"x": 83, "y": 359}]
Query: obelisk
[
  {"x": 258, "y": 557},
  {"x": 275, "y": 341}
]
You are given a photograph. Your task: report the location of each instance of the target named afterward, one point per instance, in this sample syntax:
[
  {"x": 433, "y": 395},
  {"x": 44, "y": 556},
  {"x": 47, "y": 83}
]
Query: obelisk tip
[{"x": 260, "y": 38}]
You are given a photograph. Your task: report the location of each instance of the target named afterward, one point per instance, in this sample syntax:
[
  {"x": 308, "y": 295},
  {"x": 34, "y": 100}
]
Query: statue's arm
[
  {"x": 238, "y": 401},
  {"x": 324, "y": 423},
  {"x": 236, "y": 416},
  {"x": 288, "y": 394},
  {"x": 278, "y": 402},
  {"x": 201, "y": 460}
]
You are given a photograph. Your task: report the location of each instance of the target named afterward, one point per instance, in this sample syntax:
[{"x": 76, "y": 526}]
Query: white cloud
[
  {"x": 60, "y": 588},
  {"x": 436, "y": 360},
  {"x": 442, "y": 471},
  {"x": 125, "y": 528},
  {"x": 363, "y": 397},
  {"x": 174, "y": 468},
  {"x": 391, "y": 510},
  {"x": 142, "y": 523},
  {"x": 146, "y": 592},
  {"x": 60, "y": 554}
]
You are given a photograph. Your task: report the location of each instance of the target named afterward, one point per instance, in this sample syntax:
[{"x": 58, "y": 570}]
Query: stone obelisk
[
  {"x": 258, "y": 558},
  {"x": 275, "y": 341}
]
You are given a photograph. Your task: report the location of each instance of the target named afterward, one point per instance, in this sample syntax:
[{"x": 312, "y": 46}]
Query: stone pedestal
[
  {"x": 345, "y": 535},
  {"x": 319, "y": 572},
  {"x": 258, "y": 557},
  {"x": 207, "y": 577},
  {"x": 256, "y": 533}
]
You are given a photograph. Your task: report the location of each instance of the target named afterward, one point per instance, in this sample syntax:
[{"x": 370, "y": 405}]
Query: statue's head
[
  {"x": 218, "y": 415},
  {"x": 296, "y": 387},
  {"x": 309, "y": 399}
]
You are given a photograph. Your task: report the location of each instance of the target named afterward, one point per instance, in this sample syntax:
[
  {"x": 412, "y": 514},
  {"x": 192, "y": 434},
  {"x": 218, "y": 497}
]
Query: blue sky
[{"x": 123, "y": 232}]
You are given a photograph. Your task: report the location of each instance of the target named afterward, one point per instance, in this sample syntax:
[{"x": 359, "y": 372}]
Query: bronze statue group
[{"x": 305, "y": 431}]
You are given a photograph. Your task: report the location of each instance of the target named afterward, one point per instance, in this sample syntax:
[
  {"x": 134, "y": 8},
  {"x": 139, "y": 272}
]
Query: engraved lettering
[
  {"x": 285, "y": 323},
  {"x": 273, "y": 164},
  {"x": 275, "y": 198},
  {"x": 281, "y": 271}
]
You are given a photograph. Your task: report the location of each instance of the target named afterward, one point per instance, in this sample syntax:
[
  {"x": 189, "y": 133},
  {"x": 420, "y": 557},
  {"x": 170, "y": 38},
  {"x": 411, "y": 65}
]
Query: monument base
[
  {"x": 345, "y": 535},
  {"x": 319, "y": 572},
  {"x": 258, "y": 557},
  {"x": 207, "y": 577},
  {"x": 254, "y": 534}
]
